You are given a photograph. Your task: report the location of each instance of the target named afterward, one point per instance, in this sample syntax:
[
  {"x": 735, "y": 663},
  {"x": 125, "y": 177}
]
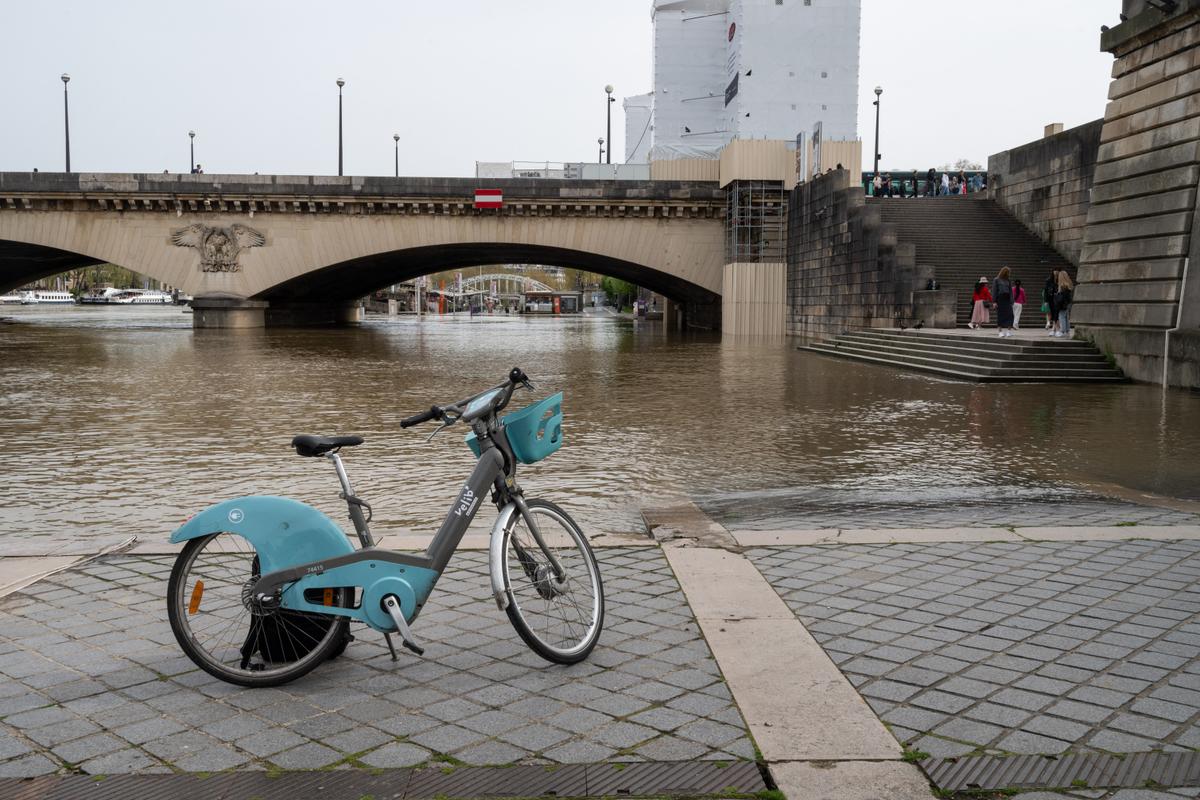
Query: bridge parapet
[{"x": 317, "y": 194}]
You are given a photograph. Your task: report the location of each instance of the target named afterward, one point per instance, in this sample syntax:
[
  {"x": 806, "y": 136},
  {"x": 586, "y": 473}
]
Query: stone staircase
[
  {"x": 964, "y": 238},
  {"x": 979, "y": 357}
]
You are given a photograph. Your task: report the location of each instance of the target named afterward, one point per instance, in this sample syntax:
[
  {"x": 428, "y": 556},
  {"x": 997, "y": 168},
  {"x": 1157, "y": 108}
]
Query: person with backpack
[
  {"x": 1048, "y": 290},
  {"x": 1062, "y": 302},
  {"x": 1002, "y": 294}
]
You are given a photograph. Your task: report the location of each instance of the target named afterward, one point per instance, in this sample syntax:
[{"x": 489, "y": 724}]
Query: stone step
[
  {"x": 975, "y": 357},
  {"x": 979, "y": 340},
  {"x": 980, "y": 367},
  {"x": 952, "y": 370},
  {"x": 1086, "y": 357}
]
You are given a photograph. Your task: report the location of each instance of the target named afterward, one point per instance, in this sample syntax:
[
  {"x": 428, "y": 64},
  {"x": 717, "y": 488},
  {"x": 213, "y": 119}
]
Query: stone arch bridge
[{"x": 267, "y": 249}]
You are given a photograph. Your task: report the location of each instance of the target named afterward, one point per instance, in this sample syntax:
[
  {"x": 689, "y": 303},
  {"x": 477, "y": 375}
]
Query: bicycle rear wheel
[
  {"x": 230, "y": 637},
  {"x": 560, "y": 621}
]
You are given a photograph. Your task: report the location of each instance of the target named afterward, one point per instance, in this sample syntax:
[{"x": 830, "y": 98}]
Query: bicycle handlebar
[
  {"x": 452, "y": 413},
  {"x": 416, "y": 419}
]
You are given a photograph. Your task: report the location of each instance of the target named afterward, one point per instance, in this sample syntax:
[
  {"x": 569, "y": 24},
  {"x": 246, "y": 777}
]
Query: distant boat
[
  {"x": 142, "y": 297},
  {"x": 10, "y": 299},
  {"x": 42, "y": 296},
  {"x": 100, "y": 296}
]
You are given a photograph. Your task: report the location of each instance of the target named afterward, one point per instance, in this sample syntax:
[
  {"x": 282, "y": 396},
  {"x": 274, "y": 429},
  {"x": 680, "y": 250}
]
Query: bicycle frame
[{"x": 379, "y": 572}]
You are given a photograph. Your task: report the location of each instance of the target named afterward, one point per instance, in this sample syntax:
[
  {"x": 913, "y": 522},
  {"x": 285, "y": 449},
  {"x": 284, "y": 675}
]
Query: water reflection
[{"x": 125, "y": 421}]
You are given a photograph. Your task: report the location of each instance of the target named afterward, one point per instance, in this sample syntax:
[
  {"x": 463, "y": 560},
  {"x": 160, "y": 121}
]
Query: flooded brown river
[{"x": 125, "y": 421}]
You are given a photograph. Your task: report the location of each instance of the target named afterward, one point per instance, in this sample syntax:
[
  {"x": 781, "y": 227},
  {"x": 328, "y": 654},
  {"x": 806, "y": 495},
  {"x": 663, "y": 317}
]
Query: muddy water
[{"x": 126, "y": 421}]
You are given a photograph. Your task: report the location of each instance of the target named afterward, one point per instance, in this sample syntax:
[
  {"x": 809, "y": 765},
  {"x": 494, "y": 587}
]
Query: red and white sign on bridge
[{"x": 489, "y": 198}]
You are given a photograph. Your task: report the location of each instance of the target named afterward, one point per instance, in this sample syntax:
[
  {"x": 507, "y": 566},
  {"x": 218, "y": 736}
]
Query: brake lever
[
  {"x": 527, "y": 384},
  {"x": 437, "y": 430}
]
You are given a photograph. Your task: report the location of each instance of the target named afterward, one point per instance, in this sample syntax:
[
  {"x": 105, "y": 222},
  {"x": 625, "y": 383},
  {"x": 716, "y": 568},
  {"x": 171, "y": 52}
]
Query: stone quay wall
[
  {"x": 845, "y": 269},
  {"x": 1133, "y": 298},
  {"x": 1046, "y": 185}
]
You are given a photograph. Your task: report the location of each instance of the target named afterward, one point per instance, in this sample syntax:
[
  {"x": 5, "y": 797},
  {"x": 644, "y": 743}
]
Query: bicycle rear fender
[{"x": 283, "y": 531}]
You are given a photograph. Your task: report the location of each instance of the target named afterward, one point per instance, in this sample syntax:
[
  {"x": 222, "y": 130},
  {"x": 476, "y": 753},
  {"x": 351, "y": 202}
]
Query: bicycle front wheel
[
  {"x": 559, "y": 620},
  {"x": 227, "y": 634}
]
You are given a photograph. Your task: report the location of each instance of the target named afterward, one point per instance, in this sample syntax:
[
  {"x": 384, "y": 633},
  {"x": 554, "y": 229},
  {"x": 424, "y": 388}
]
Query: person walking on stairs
[
  {"x": 1062, "y": 302},
  {"x": 981, "y": 300},
  {"x": 1002, "y": 293}
]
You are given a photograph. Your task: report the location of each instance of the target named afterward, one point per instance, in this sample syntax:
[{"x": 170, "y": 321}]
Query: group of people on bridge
[{"x": 934, "y": 184}]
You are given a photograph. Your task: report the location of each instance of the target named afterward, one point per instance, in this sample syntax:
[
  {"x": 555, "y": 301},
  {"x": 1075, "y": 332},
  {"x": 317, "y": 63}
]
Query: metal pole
[
  {"x": 878, "y": 97},
  {"x": 340, "y": 84},
  {"x": 66, "y": 120},
  {"x": 396, "y": 139},
  {"x": 608, "y": 90},
  {"x": 600, "y": 155},
  {"x": 192, "y": 150}
]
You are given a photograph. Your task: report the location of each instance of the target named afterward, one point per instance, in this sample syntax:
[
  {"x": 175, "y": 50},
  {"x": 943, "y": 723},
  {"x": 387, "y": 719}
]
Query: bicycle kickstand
[{"x": 392, "y": 606}]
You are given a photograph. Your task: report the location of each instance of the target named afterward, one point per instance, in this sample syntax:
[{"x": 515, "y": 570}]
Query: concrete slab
[
  {"x": 683, "y": 519},
  {"x": 850, "y": 780},
  {"x": 17, "y": 573},
  {"x": 921, "y": 535},
  {"x": 796, "y": 702},
  {"x": 1089, "y": 533},
  {"x": 786, "y": 538}
]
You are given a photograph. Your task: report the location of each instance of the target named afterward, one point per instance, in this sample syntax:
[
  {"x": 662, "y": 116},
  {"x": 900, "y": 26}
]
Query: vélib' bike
[{"x": 265, "y": 587}]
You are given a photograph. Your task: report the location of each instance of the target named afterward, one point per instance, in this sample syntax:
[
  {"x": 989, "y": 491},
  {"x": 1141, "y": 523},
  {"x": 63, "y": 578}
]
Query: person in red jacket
[{"x": 981, "y": 300}]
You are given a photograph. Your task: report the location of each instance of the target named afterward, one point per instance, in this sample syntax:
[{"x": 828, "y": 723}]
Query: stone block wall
[
  {"x": 1046, "y": 185},
  {"x": 845, "y": 269},
  {"x": 1139, "y": 237}
]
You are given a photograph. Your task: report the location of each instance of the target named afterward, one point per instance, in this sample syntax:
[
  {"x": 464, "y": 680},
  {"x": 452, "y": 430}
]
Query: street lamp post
[
  {"x": 340, "y": 84},
  {"x": 600, "y": 157},
  {"x": 878, "y": 97},
  {"x": 396, "y": 139},
  {"x": 608, "y": 90},
  {"x": 192, "y": 150},
  {"x": 66, "y": 120}
]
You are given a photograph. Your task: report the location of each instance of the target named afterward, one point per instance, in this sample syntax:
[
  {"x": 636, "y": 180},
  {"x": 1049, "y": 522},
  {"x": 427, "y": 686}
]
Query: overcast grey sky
[{"x": 486, "y": 80}]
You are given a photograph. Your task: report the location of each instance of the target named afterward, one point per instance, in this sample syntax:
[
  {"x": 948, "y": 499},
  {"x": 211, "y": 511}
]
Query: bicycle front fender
[
  {"x": 496, "y": 555},
  {"x": 284, "y": 532}
]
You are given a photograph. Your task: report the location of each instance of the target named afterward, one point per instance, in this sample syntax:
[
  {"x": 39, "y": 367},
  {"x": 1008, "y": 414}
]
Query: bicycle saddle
[{"x": 308, "y": 445}]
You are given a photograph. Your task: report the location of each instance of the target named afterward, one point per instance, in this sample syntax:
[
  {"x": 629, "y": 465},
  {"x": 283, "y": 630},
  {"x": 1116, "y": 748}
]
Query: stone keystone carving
[{"x": 219, "y": 247}]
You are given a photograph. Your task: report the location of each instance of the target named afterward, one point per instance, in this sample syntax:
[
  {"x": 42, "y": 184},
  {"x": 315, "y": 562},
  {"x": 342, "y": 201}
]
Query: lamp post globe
[
  {"x": 66, "y": 120},
  {"x": 878, "y": 98},
  {"x": 600, "y": 157},
  {"x": 608, "y": 90}
]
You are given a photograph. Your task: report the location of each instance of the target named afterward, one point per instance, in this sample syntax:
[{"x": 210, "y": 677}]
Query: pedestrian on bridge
[
  {"x": 931, "y": 182},
  {"x": 945, "y": 183}
]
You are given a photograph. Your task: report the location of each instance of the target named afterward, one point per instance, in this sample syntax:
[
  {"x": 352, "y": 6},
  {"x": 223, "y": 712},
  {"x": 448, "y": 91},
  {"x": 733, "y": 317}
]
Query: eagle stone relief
[{"x": 219, "y": 247}]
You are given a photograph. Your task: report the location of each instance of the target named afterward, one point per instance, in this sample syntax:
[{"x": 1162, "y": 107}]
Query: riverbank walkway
[{"x": 831, "y": 661}]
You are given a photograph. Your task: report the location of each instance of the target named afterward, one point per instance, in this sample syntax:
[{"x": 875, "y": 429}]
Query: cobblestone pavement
[
  {"x": 903, "y": 510},
  {"x": 1111, "y": 794},
  {"x": 94, "y": 680},
  {"x": 1010, "y": 647}
]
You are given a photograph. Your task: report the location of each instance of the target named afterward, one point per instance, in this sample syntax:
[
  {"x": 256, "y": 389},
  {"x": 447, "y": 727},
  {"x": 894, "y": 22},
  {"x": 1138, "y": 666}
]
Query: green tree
[{"x": 618, "y": 291}]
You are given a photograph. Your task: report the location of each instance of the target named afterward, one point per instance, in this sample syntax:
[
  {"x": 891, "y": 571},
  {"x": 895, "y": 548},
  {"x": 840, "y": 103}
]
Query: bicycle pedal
[{"x": 411, "y": 645}]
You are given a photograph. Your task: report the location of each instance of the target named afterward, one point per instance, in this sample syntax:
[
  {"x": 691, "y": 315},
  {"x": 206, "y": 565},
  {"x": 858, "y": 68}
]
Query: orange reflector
[
  {"x": 328, "y": 600},
  {"x": 197, "y": 592}
]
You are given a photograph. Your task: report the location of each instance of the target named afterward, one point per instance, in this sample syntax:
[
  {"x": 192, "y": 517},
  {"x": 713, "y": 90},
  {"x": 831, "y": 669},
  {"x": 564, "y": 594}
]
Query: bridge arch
[{"x": 340, "y": 256}]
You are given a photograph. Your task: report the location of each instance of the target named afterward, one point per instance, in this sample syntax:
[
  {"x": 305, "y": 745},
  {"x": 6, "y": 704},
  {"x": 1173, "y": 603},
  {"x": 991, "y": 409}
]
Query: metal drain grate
[
  {"x": 693, "y": 779},
  {"x": 1094, "y": 770}
]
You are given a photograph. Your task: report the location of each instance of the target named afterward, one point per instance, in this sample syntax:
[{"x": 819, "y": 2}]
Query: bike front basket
[{"x": 534, "y": 432}]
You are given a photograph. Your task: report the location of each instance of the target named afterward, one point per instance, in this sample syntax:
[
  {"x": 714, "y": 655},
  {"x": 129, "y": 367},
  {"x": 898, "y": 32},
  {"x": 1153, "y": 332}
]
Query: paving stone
[
  {"x": 156, "y": 728},
  {"x": 1057, "y": 728},
  {"x": 268, "y": 742},
  {"x": 966, "y": 730},
  {"x": 1023, "y": 742},
  {"x": 28, "y": 766},
  {"x": 306, "y": 756},
  {"x": 397, "y": 754},
  {"x": 449, "y": 738},
  {"x": 580, "y": 752},
  {"x": 120, "y": 762},
  {"x": 493, "y": 753},
  {"x": 1118, "y": 742}
]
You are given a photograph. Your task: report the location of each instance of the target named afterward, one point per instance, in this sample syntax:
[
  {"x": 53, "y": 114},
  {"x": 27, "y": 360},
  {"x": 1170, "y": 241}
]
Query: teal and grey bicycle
[{"x": 265, "y": 587}]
